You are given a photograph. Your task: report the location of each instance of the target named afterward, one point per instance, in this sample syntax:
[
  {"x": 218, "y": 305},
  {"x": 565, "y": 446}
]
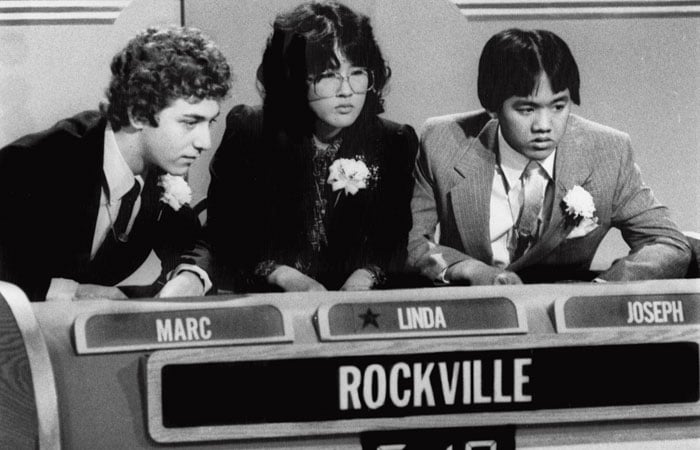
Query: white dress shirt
[{"x": 120, "y": 179}]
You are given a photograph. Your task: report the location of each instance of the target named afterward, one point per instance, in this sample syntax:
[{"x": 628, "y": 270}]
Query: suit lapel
[
  {"x": 570, "y": 168},
  {"x": 471, "y": 196},
  {"x": 89, "y": 194}
]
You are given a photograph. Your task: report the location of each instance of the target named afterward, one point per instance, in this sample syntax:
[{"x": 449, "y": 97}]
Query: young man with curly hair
[{"x": 83, "y": 204}]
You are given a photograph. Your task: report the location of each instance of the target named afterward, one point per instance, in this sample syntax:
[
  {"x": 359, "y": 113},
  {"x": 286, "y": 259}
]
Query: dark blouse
[{"x": 270, "y": 203}]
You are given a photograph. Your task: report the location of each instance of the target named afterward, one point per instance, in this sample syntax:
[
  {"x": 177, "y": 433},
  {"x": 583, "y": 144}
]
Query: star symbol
[{"x": 369, "y": 318}]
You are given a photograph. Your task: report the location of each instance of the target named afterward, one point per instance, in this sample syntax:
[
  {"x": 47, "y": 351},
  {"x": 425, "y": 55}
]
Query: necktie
[
  {"x": 527, "y": 231},
  {"x": 125, "y": 210}
]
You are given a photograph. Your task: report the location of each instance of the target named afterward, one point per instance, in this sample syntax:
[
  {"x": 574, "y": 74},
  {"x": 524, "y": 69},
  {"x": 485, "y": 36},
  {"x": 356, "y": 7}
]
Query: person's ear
[{"x": 137, "y": 123}]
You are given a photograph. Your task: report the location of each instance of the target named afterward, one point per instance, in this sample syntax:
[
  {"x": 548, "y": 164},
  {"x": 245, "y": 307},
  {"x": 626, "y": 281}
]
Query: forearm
[{"x": 656, "y": 260}]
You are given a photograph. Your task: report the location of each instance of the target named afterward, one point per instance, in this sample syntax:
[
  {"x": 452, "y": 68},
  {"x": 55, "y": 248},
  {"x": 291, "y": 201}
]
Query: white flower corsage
[
  {"x": 176, "y": 191},
  {"x": 579, "y": 209},
  {"x": 350, "y": 175}
]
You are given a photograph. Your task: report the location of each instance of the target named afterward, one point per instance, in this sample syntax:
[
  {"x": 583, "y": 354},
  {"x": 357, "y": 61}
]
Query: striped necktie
[{"x": 533, "y": 188}]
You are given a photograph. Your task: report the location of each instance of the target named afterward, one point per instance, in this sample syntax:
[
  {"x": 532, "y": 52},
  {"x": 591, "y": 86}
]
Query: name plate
[
  {"x": 408, "y": 319},
  {"x": 626, "y": 311},
  {"x": 228, "y": 398},
  {"x": 172, "y": 328}
]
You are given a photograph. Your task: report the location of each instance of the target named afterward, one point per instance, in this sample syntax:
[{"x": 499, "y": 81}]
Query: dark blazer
[
  {"x": 50, "y": 185},
  {"x": 257, "y": 202},
  {"x": 454, "y": 176}
]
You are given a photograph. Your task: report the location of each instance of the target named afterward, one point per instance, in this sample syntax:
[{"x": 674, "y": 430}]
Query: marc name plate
[{"x": 171, "y": 328}]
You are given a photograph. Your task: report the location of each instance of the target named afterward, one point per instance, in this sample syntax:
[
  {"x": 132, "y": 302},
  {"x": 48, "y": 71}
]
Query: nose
[
  {"x": 345, "y": 90},
  {"x": 202, "y": 140},
  {"x": 542, "y": 121}
]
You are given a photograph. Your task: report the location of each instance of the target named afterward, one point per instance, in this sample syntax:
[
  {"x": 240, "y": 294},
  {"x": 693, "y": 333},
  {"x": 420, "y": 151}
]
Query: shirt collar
[
  {"x": 118, "y": 175},
  {"x": 513, "y": 163}
]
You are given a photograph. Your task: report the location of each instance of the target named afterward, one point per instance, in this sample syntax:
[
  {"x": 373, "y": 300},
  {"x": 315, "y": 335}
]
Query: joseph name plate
[
  {"x": 171, "y": 328},
  {"x": 407, "y": 319},
  {"x": 626, "y": 311}
]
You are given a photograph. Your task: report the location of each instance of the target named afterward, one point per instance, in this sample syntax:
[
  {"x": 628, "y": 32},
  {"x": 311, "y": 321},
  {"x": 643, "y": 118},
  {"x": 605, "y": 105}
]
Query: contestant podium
[{"x": 473, "y": 367}]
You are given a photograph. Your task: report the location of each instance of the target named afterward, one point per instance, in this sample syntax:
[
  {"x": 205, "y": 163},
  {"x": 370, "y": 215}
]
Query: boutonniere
[
  {"x": 579, "y": 209},
  {"x": 176, "y": 191},
  {"x": 351, "y": 175}
]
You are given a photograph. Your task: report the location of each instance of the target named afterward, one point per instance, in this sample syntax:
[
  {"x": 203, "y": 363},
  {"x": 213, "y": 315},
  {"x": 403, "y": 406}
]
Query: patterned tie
[
  {"x": 527, "y": 231},
  {"x": 125, "y": 211}
]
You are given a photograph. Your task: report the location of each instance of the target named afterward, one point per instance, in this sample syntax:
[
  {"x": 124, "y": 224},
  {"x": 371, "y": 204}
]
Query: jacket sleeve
[
  {"x": 389, "y": 235},
  {"x": 231, "y": 241},
  {"x": 657, "y": 248},
  {"x": 425, "y": 253}
]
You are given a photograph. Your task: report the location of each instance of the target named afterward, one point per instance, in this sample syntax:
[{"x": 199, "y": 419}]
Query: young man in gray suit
[{"x": 525, "y": 191}]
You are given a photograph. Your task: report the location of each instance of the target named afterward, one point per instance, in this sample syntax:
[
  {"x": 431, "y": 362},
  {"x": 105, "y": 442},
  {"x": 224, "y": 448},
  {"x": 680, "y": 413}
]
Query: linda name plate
[
  {"x": 173, "y": 328},
  {"x": 406, "y": 319}
]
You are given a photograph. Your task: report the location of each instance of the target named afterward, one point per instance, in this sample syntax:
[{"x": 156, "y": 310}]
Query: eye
[
  {"x": 326, "y": 75},
  {"x": 559, "y": 106},
  {"x": 525, "y": 109},
  {"x": 358, "y": 71},
  {"x": 189, "y": 124}
]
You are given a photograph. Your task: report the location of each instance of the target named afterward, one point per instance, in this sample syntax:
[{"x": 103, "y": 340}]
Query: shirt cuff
[
  {"x": 62, "y": 289},
  {"x": 201, "y": 273},
  {"x": 441, "y": 276},
  {"x": 599, "y": 280}
]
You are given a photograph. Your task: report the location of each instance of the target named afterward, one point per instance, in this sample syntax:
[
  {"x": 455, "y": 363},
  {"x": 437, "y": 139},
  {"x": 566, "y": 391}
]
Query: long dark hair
[{"x": 303, "y": 43}]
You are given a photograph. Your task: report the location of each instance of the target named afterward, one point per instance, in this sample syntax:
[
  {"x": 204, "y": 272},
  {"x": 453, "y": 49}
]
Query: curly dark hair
[
  {"x": 160, "y": 65},
  {"x": 512, "y": 61},
  {"x": 304, "y": 42}
]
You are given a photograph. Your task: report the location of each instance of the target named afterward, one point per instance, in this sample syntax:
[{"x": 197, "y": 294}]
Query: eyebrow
[{"x": 526, "y": 102}]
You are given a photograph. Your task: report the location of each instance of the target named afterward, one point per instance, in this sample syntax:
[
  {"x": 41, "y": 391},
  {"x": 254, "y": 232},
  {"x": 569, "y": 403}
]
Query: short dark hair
[
  {"x": 160, "y": 65},
  {"x": 303, "y": 43},
  {"x": 512, "y": 61}
]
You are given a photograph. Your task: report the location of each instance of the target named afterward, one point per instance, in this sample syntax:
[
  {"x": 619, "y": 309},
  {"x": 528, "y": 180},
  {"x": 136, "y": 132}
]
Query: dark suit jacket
[
  {"x": 257, "y": 202},
  {"x": 454, "y": 176},
  {"x": 50, "y": 185}
]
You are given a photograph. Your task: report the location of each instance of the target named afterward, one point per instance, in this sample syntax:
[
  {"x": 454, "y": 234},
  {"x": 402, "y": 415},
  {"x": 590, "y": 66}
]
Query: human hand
[
  {"x": 507, "y": 277},
  {"x": 292, "y": 280},
  {"x": 184, "y": 284},
  {"x": 478, "y": 273},
  {"x": 98, "y": 292},
  {"x": 359, "y": 280}
]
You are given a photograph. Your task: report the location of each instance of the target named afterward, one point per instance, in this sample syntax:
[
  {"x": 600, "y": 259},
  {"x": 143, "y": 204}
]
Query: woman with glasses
[{"x": 311, "y": 191}]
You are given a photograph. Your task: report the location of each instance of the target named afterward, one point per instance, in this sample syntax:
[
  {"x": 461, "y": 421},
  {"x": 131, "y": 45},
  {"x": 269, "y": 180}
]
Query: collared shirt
[
  {"x": 507, "y": 197},
  {"x": 119, "y": 180}
]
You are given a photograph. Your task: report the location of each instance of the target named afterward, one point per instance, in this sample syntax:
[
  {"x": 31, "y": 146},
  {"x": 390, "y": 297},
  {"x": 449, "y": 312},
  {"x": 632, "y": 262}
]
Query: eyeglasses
[{"x": 329, "y": 83}]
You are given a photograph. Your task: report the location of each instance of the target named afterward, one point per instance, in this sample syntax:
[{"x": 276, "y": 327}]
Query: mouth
[
  {"x": 542, "y": 143},
  {"x": 344, "y": 109}
]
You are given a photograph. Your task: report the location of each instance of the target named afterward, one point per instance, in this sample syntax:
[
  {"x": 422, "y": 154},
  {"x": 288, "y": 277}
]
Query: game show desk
[{"x": 489, "y": 367}]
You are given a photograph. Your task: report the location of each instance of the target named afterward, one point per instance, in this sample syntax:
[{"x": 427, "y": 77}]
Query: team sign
[
  {"x": 628, "y": 311},
  {"x": 350, "y": 387}
]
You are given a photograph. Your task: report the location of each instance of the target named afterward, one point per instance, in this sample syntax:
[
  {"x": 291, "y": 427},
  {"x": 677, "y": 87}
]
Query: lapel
[
  {"x": 88, "y": 193},
  {"x": 471, "y": 196},
  {"x": 571, "y": 168},
  {"x": 349, "y": 212}
]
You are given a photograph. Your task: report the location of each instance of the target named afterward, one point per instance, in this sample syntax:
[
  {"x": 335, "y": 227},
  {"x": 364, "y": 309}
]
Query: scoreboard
[{"x": 532, "y": 366}]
